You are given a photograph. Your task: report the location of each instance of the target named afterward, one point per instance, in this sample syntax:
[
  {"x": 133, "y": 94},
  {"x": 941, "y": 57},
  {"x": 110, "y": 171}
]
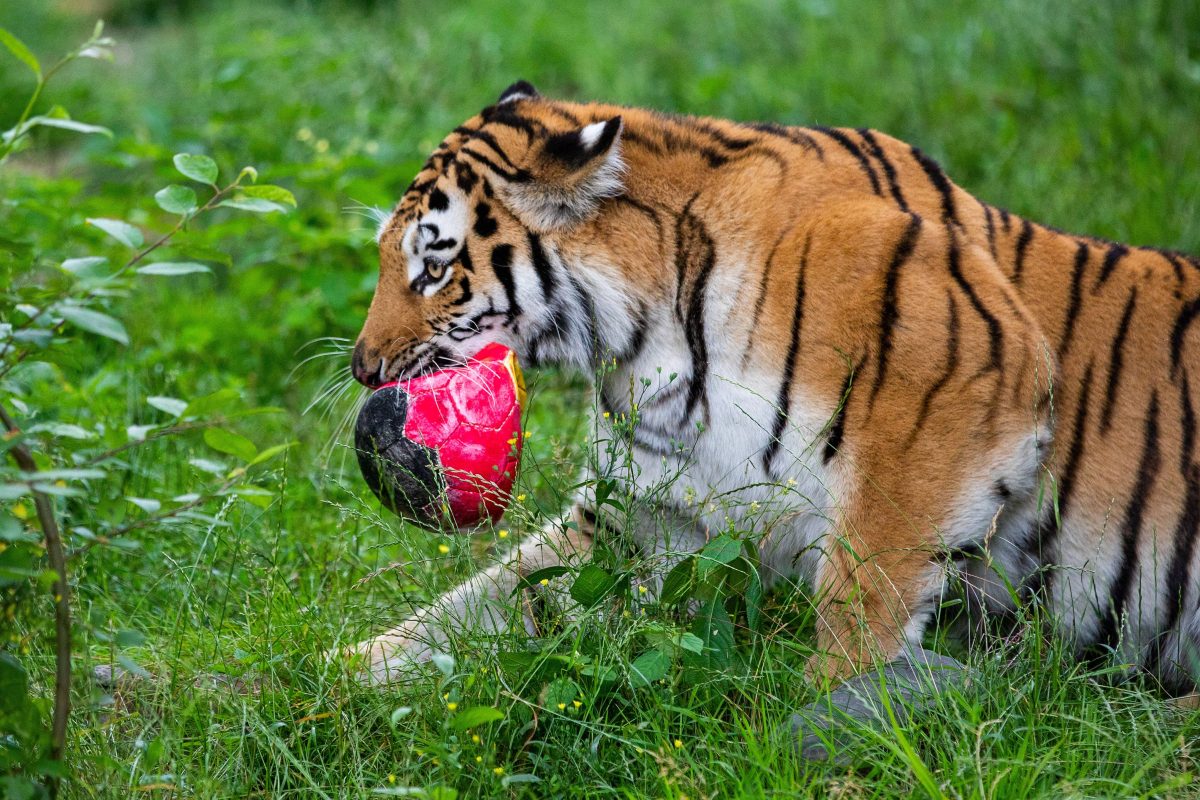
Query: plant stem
[{"x": 62, "y": 608}]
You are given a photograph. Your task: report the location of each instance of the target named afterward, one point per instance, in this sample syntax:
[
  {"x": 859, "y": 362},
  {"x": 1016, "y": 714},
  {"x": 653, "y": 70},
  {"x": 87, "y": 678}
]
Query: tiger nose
[{"x": 365, "y": 370}]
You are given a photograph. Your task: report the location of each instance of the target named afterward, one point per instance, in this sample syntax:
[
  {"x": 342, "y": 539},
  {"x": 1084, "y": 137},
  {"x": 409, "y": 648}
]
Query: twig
[
  {"x": 170, "y": 430},
  {"x": 62, "y": 608},
  {"x": 151, "y": 520}
]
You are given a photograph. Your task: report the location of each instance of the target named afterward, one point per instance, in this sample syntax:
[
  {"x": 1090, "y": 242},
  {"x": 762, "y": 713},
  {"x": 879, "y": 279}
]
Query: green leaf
[
  {"x": 62, "y": 430},
  {"x": 691, "y": 642},
  {"x": 754, "y": 602},
  {"x": 475, "y": 716},
  {"x": 138, "y": 433},
  {"x": 169, "y": 405},
  {"x": 94, "y": 322},
  {"x": 248, "y": 172},
  {"x": 444, "y": 662},
  {"x": 276, "y": 194},
  {"x": 11, "y": 491},
  {"x": 255, "y": 495},
  {"x": 204, "y": 465},
  {"x": 254, "y": 204},
  {"x": 591, "y": 585},
  {"x": 64, "y": 123},
  {"x": 678, "y": 583},
  {"x": 18, "y": 49},
  {"x": 713, "y": 627},
  {"x": 538, "y": 575},
  {"x": 210, "y": 402},
  {"x": 147, "y": 504},
  {"x": 270, "y": 452},
  {"x": 176, "y": 199},
  {"x": 197, "y": 167},
  {"x": 649, "y": 667},
  {"x": 172, "y": 268},
  {"x": 63, "y": 475},
  {"x": 722, "y": 549},
  {"x": 123, "y": 232},
  {"x": 229, "y": 442},
  {"x": 84, "y": 267}
]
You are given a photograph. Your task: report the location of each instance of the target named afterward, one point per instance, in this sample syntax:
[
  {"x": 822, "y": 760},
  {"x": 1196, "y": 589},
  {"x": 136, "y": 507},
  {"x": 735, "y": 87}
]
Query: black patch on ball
[{"x": 405, "y": 476}]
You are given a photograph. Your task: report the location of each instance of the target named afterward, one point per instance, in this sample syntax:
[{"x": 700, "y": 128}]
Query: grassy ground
[{"x": 1081, "y": 114}]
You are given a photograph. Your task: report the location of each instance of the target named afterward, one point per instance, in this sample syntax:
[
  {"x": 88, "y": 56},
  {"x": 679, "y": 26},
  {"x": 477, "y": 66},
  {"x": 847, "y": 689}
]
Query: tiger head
[{"x": 470, "y": 254}]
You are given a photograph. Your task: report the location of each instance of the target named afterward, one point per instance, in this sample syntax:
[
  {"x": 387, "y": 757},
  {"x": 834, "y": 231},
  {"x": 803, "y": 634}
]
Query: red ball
[{"x": 444, "y": 447}]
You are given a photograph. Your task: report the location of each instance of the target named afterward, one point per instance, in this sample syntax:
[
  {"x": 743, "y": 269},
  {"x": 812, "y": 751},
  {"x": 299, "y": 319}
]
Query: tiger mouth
[{"x": 430, "y": 360}]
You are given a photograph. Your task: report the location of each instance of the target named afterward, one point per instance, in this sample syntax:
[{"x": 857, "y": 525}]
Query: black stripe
[
  {"x": 502, "y": 266},
  {"x": 1176, "y": 266},
  {"x": 723, "y": 138},
  {"x": 1109, "y": 634},
  {"x": 991, "y": 228},
  {"x": 784, "y": 401},
  {"x": 794, "y": 135},
  {"x": 889, "y": 312},
  {"x": 837, "y": 427},
  {"x": 695, "y": 256},
  {"x": 644, "y": 209},
  {"x": 1023, "y": 240},
  {"x": 1076, "y": 301},
  {"x": 1188, "y": 525},
  {"x": 637, "y": 340},
  {"x": 763, "y": 281},
  {"x": 485, "y": 223},
  {"x": 940, "y": 182},
  {"x": 464, "y": 285},
  {"x": 1114, "y": 254},
  {"x": 1187, "y": 315},
  {"x": 1115, "y": 361},
  {"x": 589, "y": 316},
  {"x": 951, "y": 362},
  {"x": 995, "y": 334},
  {"x": 1005, "y": 220},
  {"x": 848, "y": 144},
  {"x": 889, "y": 171},
  {"x": 542, "y": 266},
  {"x": 505, "y": 114},
  {"x": 515, "y": 176},
  {"x": 1065, "y": 483}
]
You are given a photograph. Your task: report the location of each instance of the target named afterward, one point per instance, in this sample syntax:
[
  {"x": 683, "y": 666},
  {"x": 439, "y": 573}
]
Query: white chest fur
[{"x": 708, "y": 468}]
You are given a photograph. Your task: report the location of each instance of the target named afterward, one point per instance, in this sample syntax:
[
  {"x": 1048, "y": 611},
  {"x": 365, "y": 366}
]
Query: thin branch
[
  {"x": 62, "y": 607},
  {"x": 146, "y": 522}
]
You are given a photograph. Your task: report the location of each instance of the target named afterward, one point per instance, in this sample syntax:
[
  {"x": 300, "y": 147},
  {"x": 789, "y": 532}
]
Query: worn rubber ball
[{"x": 442, "y": 449}]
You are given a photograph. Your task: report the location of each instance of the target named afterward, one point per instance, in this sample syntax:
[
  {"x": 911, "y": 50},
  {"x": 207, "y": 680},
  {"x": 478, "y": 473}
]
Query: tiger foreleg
[{"x": 490, "y": 603}]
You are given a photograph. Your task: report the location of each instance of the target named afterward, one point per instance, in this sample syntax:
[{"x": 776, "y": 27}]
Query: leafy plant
[{"x": 72, "y": 460}]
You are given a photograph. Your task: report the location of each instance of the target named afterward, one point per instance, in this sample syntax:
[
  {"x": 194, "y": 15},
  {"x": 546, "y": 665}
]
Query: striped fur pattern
[{"x": 888, "y": 379}]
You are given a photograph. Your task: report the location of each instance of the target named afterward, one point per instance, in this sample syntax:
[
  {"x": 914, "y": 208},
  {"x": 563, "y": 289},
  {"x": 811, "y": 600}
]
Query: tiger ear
[
  {"x": 569, "y": 175},
  {"x": 518, "y": 91}
]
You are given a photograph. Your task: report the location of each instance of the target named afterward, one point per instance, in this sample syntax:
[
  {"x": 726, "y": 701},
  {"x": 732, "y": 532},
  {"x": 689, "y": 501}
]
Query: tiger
[{"x": 899, "y": 388}]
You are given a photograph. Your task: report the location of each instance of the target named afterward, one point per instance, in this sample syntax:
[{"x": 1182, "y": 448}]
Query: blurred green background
[{"x": 1083, "y": 114}]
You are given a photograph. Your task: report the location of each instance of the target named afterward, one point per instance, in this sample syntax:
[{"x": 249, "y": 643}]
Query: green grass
[{"x": 1080, "y": 114}]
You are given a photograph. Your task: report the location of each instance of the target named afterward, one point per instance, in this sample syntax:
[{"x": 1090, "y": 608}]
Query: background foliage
[{"x": 1080, "y": 114}]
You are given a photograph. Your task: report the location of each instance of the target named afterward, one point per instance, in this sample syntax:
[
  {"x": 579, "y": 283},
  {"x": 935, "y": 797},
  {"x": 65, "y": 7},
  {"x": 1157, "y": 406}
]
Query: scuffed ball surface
[{"x": 445, "y": 446}]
